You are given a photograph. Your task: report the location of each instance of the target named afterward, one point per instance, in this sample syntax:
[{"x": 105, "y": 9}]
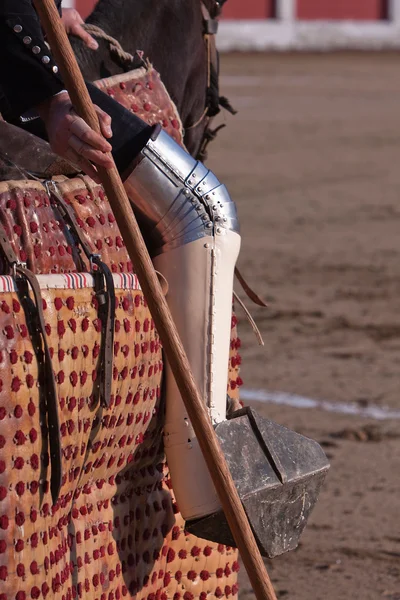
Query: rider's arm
[
  {"x": 29, "y": 79},
  {"x": 28, "y": 72}
]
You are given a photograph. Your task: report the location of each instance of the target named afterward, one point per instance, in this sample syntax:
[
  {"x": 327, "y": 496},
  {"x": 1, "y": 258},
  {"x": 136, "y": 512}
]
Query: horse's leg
[{"x": 192, "y": 232}]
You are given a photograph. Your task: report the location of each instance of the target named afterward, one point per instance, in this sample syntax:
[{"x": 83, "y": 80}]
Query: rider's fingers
[
  {"x": 83, "y": 164},
  {"x": 95, "y": 156},
  {"x": 82, "y": 130},
  {"x": 105, "y": 122},
  {"x": 77, "y": 29}
]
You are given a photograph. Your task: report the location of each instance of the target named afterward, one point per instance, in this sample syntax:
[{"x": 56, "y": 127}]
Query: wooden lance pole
[{"x": 172, "y": 345}]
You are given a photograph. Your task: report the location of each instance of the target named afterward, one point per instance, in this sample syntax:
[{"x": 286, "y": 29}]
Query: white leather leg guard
[
  {"x": 193, "y": 234},
  {"x": 200, "y": 277}
]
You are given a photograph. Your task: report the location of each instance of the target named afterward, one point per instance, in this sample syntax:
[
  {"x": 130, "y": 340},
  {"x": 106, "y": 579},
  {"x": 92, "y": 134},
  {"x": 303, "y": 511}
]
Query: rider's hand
[
  {"x": 73, "y": 25},
  {"x": 71, "y": 138}
]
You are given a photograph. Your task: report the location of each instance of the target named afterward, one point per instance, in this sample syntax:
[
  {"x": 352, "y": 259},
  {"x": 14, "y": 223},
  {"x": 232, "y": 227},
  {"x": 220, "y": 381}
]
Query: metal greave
[{"x": 191, "y": 228}]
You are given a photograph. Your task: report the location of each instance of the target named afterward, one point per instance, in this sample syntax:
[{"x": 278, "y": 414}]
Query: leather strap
[
  {"x": 249, "y": 291},
  {"x": 250, "y": 319},
  {"x": 105, "y": 293},
  {"x": 25, "y": 279}
]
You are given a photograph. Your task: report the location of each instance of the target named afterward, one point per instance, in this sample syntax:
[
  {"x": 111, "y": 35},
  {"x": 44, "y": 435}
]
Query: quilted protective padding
[
  {"x": 116, "y": 531},
  {"x": 143, "y": 93}
]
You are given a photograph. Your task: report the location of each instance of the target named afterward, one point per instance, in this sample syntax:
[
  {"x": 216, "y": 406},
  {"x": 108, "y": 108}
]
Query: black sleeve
[{"x": 28, "y": 73}]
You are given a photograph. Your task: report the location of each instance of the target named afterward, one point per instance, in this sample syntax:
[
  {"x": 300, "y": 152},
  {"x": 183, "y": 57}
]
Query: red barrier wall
[
  {"x": 249, "y": 9},
  {"x": 363, "y": 10},
  {"x": 85, "y": 7},
  {"x": 234, "y": 9}
]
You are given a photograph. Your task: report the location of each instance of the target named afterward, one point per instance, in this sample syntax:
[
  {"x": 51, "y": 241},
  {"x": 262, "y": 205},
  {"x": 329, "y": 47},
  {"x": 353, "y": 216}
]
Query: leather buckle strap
[
  {"x": 105, "y": 293},
  {"x": 33, "y": 308},
  {"x": 210, "y": 26}
]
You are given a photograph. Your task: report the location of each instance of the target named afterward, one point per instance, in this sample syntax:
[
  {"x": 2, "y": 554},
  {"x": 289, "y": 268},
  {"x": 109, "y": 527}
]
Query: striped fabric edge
[{"x": 72, "y": 281}]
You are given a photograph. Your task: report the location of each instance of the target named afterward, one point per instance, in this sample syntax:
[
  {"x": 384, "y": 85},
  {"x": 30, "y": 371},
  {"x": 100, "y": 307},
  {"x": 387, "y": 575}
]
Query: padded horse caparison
[
  {"x": 116, "y": 520},
  {"x": 25, "y": 279}
]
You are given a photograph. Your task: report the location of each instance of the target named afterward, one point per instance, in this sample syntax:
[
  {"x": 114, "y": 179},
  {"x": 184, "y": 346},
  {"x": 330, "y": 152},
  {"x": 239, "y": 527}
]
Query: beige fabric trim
[
  {"x": 22, "y": 184},
  {"x": 123, "y": 77}
]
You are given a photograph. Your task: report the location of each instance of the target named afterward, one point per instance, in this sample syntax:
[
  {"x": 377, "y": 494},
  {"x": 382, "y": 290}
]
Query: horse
[{"x": 177, "y": 37}]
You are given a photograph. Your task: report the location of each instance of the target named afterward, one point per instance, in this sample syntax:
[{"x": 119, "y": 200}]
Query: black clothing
[
  {"x": 26, "y": 80},
  {"x": 29, "y": 75}
]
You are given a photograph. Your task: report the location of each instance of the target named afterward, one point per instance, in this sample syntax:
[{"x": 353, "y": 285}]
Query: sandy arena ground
[{"x": 313, "y": 160}]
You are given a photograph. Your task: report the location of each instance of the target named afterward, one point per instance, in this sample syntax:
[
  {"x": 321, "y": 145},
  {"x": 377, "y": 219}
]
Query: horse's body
[{"x": 170, "y": 34}]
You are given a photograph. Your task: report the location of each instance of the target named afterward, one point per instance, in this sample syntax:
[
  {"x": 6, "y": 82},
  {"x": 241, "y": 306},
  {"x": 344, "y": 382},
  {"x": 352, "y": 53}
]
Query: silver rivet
[
  {"x": 209, "y": 225},
  {"x": 207, "y": 245},
  {"x": 208, "y": 197},
  {"x": 219, "y": 229},
  {"x": 198, "y": 208},
  {"x": 190, "y": 182},
  {"x": 215, "y": 207},
  {"x": 46, "y": 60},
  {"x": 55, "y": 69},
  {"x": 199, "y": 189},
  {"x": 36, "y": 50},
  {"x": 27, "y": 40},
  {"x": 225, "y": 219},
  {"x": 17, "y": 28},
  {"x": 186, "y": 192},
  {"x": 217, "y": 218}
]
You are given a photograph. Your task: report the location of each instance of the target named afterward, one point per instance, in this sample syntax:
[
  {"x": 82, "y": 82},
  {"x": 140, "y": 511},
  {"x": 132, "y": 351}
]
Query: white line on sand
[{"x": 372, "y": 411}]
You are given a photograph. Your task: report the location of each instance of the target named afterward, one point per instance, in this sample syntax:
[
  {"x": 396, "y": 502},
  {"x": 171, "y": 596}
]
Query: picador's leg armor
[{"x": 191, "y": 228}]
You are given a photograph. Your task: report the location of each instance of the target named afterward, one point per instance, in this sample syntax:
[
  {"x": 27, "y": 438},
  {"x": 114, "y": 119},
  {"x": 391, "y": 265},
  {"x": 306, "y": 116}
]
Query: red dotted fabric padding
[
  {"x": 143, "y": 93},
  {"x": 116, "y": 531}
]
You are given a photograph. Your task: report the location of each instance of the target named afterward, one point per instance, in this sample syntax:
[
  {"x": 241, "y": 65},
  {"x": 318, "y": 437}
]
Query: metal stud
[
  {"x": 17, "y": 28},
  {"x": 209, "y": 225},
  {"x": 55, "y": 69},
  {"x": 36, "y": 50},
  {"x": 215, "y": 207},
  {"x": 46, "y": 60},
  {"x": 27, "y": 40}
]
